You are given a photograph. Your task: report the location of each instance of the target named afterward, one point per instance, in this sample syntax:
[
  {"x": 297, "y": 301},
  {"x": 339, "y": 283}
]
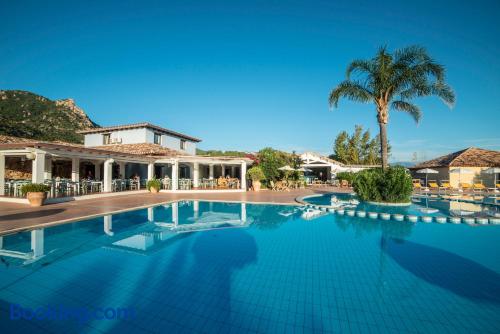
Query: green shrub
[
  {"x": 256, "y": 174},
  {"x": 348, "y": 176},
  {"x": 34, "y": 188},
  {"x": 270, "y": 160},
  {"x": 153, "y": 183},
  {"x": 394, "y": 185}
]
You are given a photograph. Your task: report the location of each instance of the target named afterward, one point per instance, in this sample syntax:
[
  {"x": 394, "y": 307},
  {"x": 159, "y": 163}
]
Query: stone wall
[{"x": 16, "y": 168}]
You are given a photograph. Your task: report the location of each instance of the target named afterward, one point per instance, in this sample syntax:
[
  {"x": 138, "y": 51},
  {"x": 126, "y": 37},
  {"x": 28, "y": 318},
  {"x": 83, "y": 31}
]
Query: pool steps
[{"x": 410, "y": 218}]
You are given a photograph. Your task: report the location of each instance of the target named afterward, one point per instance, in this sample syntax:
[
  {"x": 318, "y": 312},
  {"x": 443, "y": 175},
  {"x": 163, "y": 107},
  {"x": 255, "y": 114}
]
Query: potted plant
[
  {"x": 153, "y": 185},
  {"x": 35, "y": 192},
  {"x": 256, "y": 175}
]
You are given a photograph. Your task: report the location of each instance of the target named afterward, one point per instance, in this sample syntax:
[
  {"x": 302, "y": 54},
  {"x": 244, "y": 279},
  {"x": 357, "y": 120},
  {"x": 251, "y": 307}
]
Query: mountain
[
  {"x": 28, "y": 115},
  {"x": 403, "y": 163},
  {"x": 218, "y": 153}
]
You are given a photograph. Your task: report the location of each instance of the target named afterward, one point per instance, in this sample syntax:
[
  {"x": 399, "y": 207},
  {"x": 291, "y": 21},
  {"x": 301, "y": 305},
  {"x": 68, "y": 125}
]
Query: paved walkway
[{"x": 17, "y": 217}]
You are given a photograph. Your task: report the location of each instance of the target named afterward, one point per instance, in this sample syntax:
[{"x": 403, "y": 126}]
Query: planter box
[{"x": 36, "y": 199}]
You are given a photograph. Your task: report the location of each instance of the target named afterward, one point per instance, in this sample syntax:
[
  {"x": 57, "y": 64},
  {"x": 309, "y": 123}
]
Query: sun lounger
[
  {"x": 433, "y": 185},
  {"x": 478, "y": 187},
  {"x": 465, "y": 186},
  {"x": 417, "y": 186},
  {"x": 495, "y": 189}
]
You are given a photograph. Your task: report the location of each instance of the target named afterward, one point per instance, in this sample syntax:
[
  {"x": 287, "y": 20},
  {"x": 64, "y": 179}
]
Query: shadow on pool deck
[
  {"x": 449, "y": 271},
  {"x": 31, "y": 214}
]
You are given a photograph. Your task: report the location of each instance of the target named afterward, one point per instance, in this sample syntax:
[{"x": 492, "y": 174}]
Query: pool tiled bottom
[{"x": 265, "y": 270}]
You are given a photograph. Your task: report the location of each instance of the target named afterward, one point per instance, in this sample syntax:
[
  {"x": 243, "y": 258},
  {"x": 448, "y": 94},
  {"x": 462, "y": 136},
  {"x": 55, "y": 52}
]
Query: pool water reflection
[
  {"x": 216, "y": 267},
  {"x": 426, "y": 205}
]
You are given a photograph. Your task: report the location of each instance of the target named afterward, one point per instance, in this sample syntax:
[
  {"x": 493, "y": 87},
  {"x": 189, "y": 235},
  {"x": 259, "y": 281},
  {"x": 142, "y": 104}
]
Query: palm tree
[{"x": 391, "y": 81}]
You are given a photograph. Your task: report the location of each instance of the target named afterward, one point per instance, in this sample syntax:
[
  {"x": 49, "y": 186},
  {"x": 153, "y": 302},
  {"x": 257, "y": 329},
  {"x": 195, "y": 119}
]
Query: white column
[
  {"x": 243, "y": 212},
  {"x": 196, "y": 209},
  {"x": 151, "y": 170},
  {"x": 232, "y": 171},
  {"x": 151, "y": 215},
  {"x": 97, "y": 173},
  {"x": 108, "y": 175},
  {"x": 175, "y": 175},
  {"x": 37, "y": 242},
  {"x": 2, "y": 174},
  {"x": 48, "y": 168},
  {"x": 75, "y": 169},
  {"x": 243, "y": 181},
  {"x": 38, "y": 168},
  {"x": 223, "y": 170},
  {"x": 175, "y": 213},
  {"x": 108, "y": 225},
  {"x": 211, "y": 172},
  {"x": 196, "y": 175}
]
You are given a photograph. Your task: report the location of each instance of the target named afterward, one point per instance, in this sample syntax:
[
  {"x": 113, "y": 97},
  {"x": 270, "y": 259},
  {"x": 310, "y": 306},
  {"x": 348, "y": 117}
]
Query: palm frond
[
  {"x": 445, "y": 93},
  {"x": 352, "y": 90},
  {"x": 360, "y": 66},
  {"x": 409, "y": 108},
  {"x": 410, "y": 55}
]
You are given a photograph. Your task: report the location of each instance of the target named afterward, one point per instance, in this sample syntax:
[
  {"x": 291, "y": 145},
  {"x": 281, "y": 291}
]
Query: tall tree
[
  {"x": 391, "y": 81},
  {"x": 357, "y": 148},
  {"x": 340, "y": 147}
]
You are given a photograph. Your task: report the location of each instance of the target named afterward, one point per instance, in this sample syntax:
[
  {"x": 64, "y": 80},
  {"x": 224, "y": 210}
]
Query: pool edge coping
[{"x": 82, "y": 218}]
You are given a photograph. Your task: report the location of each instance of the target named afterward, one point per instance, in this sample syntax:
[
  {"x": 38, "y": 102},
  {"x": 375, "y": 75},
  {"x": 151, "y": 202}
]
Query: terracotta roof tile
[
  {"x": 140, "y": 149},
  {"x": 470, "y": 157}
]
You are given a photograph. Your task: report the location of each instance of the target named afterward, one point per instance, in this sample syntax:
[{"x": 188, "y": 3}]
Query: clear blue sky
[{"x": 249, "y": 74}]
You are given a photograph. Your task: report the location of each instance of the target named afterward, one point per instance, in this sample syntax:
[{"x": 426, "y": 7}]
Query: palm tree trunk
[{"x": 383, "y": 143}]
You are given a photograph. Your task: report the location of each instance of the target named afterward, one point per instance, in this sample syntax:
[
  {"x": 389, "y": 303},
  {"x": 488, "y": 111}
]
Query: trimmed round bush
[
  {"x": 256, "y": 174},
  {"x": 34, "y": 188},
  {"x": 394, "y": 185}
]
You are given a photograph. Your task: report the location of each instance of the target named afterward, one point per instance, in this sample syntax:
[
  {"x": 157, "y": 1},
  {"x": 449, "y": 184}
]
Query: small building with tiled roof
[{"x": 473, "y": 162}]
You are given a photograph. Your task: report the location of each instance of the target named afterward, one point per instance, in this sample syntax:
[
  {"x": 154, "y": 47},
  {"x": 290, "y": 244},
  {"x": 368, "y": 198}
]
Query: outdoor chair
[{"x": 133, "y": 184}]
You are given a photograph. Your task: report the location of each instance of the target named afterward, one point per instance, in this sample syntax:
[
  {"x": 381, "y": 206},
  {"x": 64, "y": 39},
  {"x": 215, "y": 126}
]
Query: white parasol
[{"x": 427, "y": 171}]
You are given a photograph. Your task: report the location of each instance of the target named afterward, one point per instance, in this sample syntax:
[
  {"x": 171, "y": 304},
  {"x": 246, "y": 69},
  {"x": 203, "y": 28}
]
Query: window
[
  {"x": 106, "y": 138},
  {"x": 157, "y": 139},
  {"x": 183, "y": 144}
]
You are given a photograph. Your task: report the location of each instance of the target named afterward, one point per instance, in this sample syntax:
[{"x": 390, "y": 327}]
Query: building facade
[
  {"x": 465, "y": 166},
  {"x": 114, "y": 154}
]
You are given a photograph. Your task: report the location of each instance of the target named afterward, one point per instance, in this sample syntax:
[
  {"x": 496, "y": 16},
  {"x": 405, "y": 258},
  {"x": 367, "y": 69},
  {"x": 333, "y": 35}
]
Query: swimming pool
[
  {"x": 233, "y": 267},
  {"x": 421, "y": 205}
]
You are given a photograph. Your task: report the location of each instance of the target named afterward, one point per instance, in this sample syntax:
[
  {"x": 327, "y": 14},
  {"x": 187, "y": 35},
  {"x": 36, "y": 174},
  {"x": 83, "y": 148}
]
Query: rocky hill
[{"x": 28, "y": 115}]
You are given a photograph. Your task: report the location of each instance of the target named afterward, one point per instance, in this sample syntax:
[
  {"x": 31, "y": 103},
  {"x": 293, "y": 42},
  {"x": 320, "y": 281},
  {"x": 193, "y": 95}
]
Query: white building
[
  {"x": 113, "y": 156},
  {"x": 140, "y": 133},
  {"x": 325, "y": 168}
]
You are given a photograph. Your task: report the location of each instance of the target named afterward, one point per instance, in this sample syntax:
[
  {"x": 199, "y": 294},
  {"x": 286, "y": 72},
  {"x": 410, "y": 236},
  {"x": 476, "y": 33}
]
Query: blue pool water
[
  {"x": 229, "y": 267},
  {"x": 435, "y": 206}
]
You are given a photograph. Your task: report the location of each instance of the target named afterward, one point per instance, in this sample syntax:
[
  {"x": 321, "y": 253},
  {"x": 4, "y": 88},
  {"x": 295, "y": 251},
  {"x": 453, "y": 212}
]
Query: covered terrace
[{"x": 74, "y": 170}]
